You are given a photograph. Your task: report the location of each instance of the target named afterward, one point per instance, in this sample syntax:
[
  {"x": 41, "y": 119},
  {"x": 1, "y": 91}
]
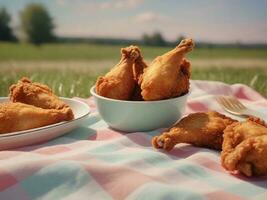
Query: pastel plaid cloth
[{"x": 95, "y": 162}]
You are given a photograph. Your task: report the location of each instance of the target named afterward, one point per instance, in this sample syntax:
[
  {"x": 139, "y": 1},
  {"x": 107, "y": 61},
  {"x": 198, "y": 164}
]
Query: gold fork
[{"x": 235, "y": 107}]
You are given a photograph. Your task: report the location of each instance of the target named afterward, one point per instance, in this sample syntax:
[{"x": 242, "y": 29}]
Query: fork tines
[{"x": 231, "y": 104}]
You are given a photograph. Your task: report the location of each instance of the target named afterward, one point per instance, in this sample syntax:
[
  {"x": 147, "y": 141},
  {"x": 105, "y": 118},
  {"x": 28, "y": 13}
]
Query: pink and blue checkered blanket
[{"x": 95, "y": 162}]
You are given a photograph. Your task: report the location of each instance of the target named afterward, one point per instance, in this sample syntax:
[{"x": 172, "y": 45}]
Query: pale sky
[{"x": 209, "y": 20}]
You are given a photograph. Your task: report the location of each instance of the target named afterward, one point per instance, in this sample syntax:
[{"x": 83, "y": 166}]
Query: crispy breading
[
  {"x": 119, "y": 82},
  {"x": 168, "y": 75},
  {"x": 198, "y": 129},
  {"x": 35, "y": 94},
  {"x": 20, "y": 116},
  {"x": 245, "y": 147}
]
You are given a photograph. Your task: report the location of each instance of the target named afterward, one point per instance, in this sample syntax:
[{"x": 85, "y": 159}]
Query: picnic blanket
[{"x": 95, "y": 162}]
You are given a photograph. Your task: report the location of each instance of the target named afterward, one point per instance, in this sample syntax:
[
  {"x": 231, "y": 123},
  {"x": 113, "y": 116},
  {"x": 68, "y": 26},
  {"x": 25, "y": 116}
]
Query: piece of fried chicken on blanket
[
  {"x": 245, "y": 147},
  {"x": 199, "y": 129}
]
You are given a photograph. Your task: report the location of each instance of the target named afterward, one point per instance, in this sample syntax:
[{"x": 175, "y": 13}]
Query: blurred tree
[
  {"x": 156, "y": 39},
  {"x": 146, "y": 39},
  {"x": 5, "y": 31},
  {"x": 37, "y": 24},
  {"x": 179, "y": 39}
]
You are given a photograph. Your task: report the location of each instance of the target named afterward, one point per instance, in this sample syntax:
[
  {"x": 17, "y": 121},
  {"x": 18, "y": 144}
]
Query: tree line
[
  {"x": 35, "y": 22},
  {"x": 36, "y": 25},
  {"x": 157, "y": 39}
]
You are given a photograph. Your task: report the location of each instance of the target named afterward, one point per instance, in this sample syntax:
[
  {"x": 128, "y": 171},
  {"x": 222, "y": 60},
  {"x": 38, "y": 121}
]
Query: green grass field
[
  {"x": 70, "y": 84},
  {"x": 108, "y": 52},
  {"x": 73, "y": 81}
]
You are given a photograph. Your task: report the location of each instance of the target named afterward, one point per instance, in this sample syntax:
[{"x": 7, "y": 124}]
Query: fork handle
[{"x": 253, "y": 113}]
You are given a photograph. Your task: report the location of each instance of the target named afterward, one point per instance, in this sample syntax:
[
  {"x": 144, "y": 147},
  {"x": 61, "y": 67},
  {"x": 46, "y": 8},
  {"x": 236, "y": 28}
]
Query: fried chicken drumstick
[
  {"x": 35, "y": 94},
  {"x": 119, "y": 83},
  {"x": 198, "y": 129},
  {"x": 168, "y": 75},
  {"x": 245, "y": 147},
  {"x": 20, "y": 116}
]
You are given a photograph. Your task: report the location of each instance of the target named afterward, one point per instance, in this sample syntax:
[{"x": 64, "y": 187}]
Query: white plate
[{"x": 45, "y": 133}]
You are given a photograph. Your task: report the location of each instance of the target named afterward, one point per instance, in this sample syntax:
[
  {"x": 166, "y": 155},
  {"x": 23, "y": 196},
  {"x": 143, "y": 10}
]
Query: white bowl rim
[{"x": 92, "y": 91}]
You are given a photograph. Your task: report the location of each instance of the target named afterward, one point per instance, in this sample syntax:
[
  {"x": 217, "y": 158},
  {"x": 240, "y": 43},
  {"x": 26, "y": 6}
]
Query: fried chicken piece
[
  {"x": 198, "y": 129},
  {"x": 20, "y": 116},
  {"x": 184, "y": 75},
  {"x": 168, "y": 75},
  {"x": 119, "y": 83},
  {"x": 245, "y": 147},
  {"x": 35, "y": 94}
]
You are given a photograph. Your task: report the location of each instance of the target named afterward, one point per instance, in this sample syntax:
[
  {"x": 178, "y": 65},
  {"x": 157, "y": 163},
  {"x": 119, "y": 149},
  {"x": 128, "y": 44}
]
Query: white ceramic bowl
[{"x": 134, "y": 116}]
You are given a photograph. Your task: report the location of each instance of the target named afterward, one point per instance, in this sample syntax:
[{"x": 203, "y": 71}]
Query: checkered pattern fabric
[{"x": 95, "y": 162}]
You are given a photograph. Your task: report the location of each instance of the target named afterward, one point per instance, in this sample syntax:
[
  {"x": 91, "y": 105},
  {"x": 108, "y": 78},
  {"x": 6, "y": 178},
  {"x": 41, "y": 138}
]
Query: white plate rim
[{"x": 48, "y": 126}]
